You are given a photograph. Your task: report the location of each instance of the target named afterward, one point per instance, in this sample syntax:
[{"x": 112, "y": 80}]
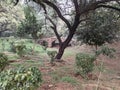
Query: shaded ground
[
  {"x": 109, "y": 79},
  {"x": 62, "y": 75}
]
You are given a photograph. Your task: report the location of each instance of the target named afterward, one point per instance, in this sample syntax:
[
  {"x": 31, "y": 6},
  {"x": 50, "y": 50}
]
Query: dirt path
[{"x": 110, "y": 79}]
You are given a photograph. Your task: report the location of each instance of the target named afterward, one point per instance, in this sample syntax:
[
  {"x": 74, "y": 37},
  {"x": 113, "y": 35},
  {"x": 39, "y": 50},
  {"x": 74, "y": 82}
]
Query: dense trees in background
[
  {"x": 7, "y": 28},
  {"x": 30, "y": 25},
  {"x": 72, "y": 13},
  {"x": 9, "y": 18},
  {"x": 101, "y": 27}
]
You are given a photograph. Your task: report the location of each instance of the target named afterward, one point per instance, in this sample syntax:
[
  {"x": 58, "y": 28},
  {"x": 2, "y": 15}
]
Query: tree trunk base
[{"x": 59, "y": 60}]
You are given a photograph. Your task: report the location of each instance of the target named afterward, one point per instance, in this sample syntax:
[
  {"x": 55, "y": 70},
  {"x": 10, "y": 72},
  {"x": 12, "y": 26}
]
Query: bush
[
  {"x": 12, "y": 47},
  {"x": 100, "y": 28},
  {"x": 3, "y": 44},
  {"x": 44, "y": 44},
  {"x": 29, "y": 41},
  {"x": 3, "y": 61},
  {"x": 20, "y": 79},
  {"x": 18, "y": 47},
  {"x": 52, "y": 55},
  {"x": 105, "y": 50},
  {"x": 84, "y": 63}
]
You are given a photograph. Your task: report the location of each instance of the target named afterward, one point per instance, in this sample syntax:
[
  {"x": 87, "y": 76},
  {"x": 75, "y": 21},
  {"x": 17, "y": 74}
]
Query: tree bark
[
  {"x": 60, "y": 52},
  {"x": 64, "y": 45}
]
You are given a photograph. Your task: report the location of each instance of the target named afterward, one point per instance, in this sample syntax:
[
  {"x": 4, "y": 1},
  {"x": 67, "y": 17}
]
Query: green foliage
[
  {"x": 106, "y": 51},
  {"x": 3, "y": 44},
  {"x": 69, "y": 80},
  {"x": 18, "y": 47},
  {"x": 44, "y": 45},
  {"x": 12, "y": 47},
  {"x": 3, "y": 61},
  {"x": 20, "y": 79},
  {"x": 101, "y": 27},
  {"x": 84, "y": 63},
  {"x": 29, "y": 26},
  {"x": 52, "y": 55}
]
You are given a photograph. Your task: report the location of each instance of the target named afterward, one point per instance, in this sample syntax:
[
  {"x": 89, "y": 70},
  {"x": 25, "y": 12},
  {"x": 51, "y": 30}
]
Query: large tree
[
  {"x": 9, "y": 17},
  {"x": 30, "y": 25},
  {"x": 72, "y": 13},
  {"x": 101, "y": 27}
]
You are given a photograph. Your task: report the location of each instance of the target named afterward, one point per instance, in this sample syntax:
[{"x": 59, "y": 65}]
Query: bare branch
[
  {"x": 94, "y": 5},
  {"x": 108, "y": 6},
  {"x": 54, "y": 27},
  {"x": 57, "y": 11},
  {"x": 76, "y": 6}
]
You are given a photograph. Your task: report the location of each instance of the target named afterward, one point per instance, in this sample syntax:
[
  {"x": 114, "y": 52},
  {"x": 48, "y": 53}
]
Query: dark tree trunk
[
  {"x": 96, "y": 47},
  {"x": 64, "y": 45},
  {"x": 60, "y": 52},
  {"x": 72, "y": 31}
]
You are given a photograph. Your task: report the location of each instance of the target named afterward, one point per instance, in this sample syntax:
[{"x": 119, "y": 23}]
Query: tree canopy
[
  {"x": 29, "y": 25},
  {"x": 10, "y": 16},
  {"x": 101, "y": 27},
  {"x": 72, "y": 13}
]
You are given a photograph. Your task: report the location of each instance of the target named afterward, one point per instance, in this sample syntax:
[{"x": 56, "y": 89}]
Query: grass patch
[
  {"x": 13, "y": 57},
  {"x": 26, "y": 64},
  {"x": 5, "y": 44},
  {"x": 29, "y": 61},
  {"x": 56, "y": 76},
  {"x": 70, "y": 80}
]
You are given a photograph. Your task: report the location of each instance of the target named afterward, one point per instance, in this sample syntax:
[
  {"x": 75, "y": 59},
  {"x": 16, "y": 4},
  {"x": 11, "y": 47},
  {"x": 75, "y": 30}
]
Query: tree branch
[
  {"x": 54, "y": 29},
  {"x": 2, "y": 9},
  {"x": 76, "y": 6},
  {"x": 96, "y": 4},
  {"x": 57, "y": 11},
  {"x": 108, "y": 6}
]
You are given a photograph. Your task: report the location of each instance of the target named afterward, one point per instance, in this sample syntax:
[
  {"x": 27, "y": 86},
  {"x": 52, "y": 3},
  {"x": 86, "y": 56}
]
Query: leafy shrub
[
  {"x": 29, "y": 40},
  {"x": 3, "y": 61},
  {"x": 18, "y": 47},
  {"x": 99, "y": 29},
  {"x": 20, "y": 79},
  {"x": 105, "y": 51},
  {"x": 29, "y": 50},
  {"x": 44, "y": 44},
  {"x": 52, "y": 55},
  {"x": 12, "y": 47},
  {"x": 84, "y": 63},
  {"x": 3, "y": 44}
]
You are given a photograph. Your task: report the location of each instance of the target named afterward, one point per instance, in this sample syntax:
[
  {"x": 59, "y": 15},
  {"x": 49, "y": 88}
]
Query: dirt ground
[{"x": 108, "y": 80}]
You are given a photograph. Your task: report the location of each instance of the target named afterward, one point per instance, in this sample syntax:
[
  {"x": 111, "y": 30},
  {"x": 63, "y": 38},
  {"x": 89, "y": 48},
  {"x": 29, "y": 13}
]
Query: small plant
[
  {"x": 3, "y": 44},
  {"x": 3, "y": 61},
  {"x": 12, "y": 47},
  {"x": 29, "y": 41},
  {"x": 44, "y": 45},
  {"x": 29, "y": 50},
  {"x": 106, "y": 51},
  {"x": 18, "y": 47},
  {"x": 84, "y": 63},
  {"x": 20, "y": 79},
  {"x": 52, "y": 55}
]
